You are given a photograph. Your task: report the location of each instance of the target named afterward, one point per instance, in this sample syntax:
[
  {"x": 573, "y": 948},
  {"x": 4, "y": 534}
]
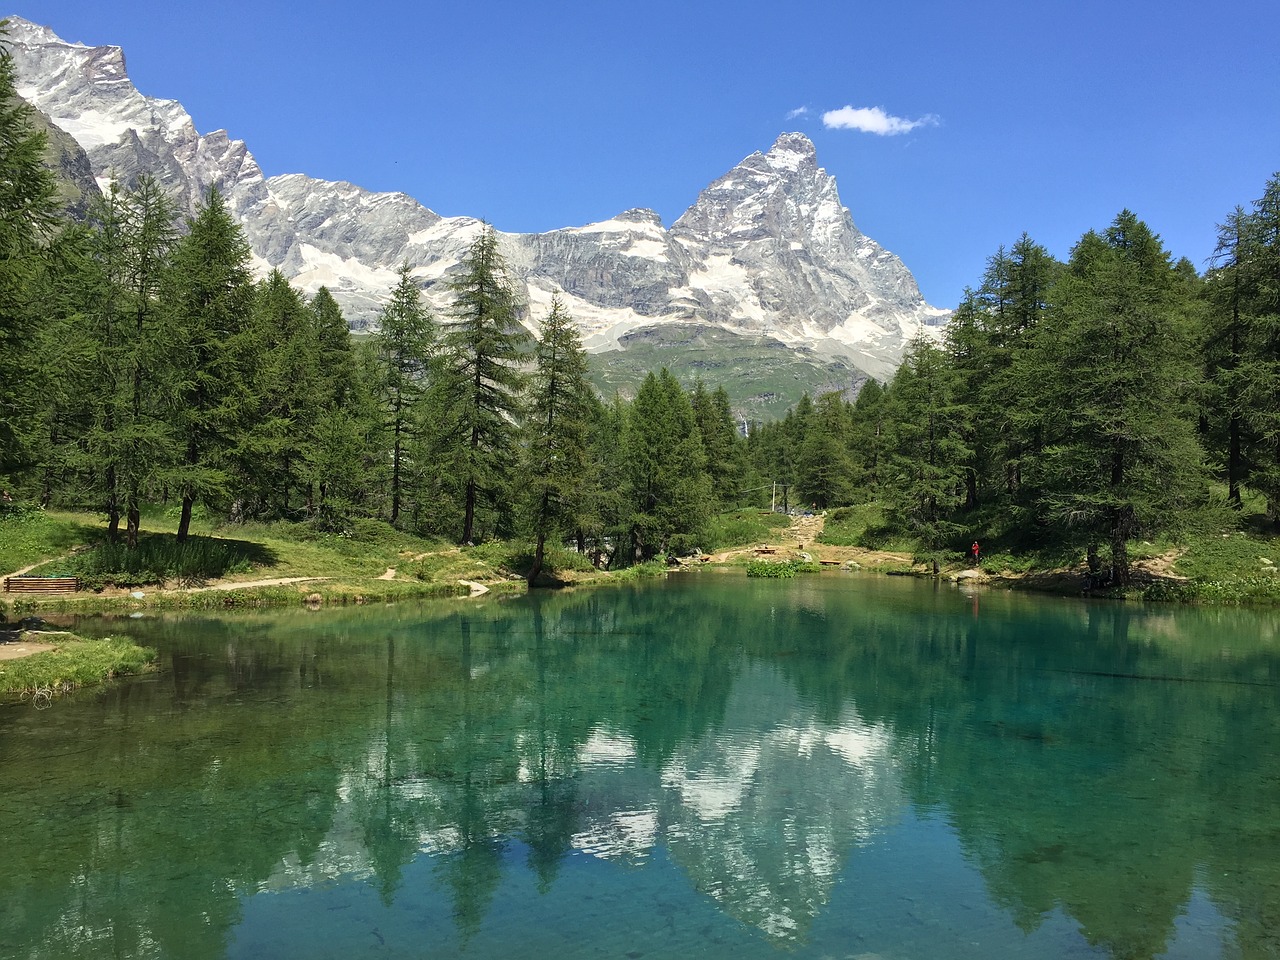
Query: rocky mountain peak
[
  {"x": 792, "y": 151},
  {"x": 640, "y": 215},
  {"x": 782, "y": 194},
  {"x": 25, "y": 32},
  {"x": 766, "y": 251}
]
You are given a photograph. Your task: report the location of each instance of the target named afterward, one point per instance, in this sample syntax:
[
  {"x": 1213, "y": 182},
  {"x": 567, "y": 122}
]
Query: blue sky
[{"x": 1041, "y": 115}]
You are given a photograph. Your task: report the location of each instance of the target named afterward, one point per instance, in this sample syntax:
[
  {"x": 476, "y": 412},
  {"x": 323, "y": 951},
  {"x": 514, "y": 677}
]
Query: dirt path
[
  {"x": 28, "y": 569},
  {"x": 277, "y": 582},
  {"x": 800, "y": 535},
  {"x": 22, "y": 648}
]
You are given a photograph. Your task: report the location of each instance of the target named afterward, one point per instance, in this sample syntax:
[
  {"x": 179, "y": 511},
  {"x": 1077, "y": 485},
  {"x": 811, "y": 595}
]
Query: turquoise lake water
[{"x": 833, "y": 766}]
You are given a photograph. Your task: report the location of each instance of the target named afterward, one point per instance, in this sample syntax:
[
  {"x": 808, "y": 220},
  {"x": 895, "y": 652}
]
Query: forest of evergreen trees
[{"x": 1084, "y": 403}]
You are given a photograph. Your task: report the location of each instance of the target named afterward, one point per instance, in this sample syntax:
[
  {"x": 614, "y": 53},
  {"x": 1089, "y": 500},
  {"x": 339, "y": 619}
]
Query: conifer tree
[
  {"x": 335, "y": 361},
  {"x": 1112, "y": 359},
  {"x": 146, "y": 431},
  {"x": 342, "y": 459},
  {"x": 721, "y": 444},
  {"x": 557, "y": 433},
  {"x": 604, "y": 514},
  {"x": 99, "y": 330},
  {"x": 286, "y": 394},
  {"x": 405, "y": 344},
  {"x": 480, "y": 379},
  {"x": 824, "y": 465},
  {"x": 927, "y": 455},
  {"x": 346, "y": 460},
  {"x": 27, "y": 222},
  {"x": 867, "y": 438},
  {"x": 208, "y": 297},
  {"x": 1262, "y": 395},
  {"x": 667, "y": 486}
]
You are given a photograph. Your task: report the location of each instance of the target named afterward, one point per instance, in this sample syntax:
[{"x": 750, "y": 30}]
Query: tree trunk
[
  {"x": 537, "y": 560},
  {"x": 1234, "y": 462},
  {"x": 395, "y": 477},
  {"x": 469, "y": 518},
  {"x": 1121, "y": 525},
  {"x": 113, "y": 506},
  {"x": 184, "y": 522}
]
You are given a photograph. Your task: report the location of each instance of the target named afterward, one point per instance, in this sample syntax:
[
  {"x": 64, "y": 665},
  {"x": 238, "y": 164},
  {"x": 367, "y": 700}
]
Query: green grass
[
  {"x": 1226, "y": 568},
  {"x": 866, "y": 526},
  {"x": 31, "y": 535},
  {"x": 780, "y": 569},
  {"x": 74, "y": 663},
  {"x": 1236, "y": 554},
  {"x": 742, "y": 527},
  {"x": 641, "y": 571}
]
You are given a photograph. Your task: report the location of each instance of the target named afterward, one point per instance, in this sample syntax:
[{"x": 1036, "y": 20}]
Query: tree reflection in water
[{"x": 757, "y": 742}]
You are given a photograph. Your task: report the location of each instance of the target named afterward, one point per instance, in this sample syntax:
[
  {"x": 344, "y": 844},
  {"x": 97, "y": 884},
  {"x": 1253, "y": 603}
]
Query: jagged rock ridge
[{"x": 766, "y": 251}]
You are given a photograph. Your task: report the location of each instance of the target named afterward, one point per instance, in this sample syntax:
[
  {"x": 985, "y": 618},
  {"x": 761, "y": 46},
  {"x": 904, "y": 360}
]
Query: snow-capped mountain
[{"x": 767, "y": 252}]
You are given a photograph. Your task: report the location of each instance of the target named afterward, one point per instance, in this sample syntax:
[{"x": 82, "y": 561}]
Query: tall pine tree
[
  {"x": 208, "y": 297},
  {"x": 27, "y": 221},
  {"x": 560, "y": 406},
  {"x": 480, "y": 380},
  {"x": 405, "y": 344}
]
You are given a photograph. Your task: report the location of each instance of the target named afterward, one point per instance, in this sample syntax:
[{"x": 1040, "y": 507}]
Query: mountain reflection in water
[{"x": 712, "y": 766}]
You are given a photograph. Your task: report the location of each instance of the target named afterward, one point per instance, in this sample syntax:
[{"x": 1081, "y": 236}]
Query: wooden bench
[{"x": 41, "y": 584}]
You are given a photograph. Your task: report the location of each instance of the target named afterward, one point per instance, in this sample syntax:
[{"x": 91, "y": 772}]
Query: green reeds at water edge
[{"x": 160, "y": 558}]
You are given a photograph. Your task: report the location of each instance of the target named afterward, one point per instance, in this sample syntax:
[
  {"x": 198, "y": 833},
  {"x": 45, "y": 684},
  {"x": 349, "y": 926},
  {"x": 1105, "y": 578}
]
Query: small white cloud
[
  {"x": 798, "y": 112},
  {"x": 873, "y": 120}
]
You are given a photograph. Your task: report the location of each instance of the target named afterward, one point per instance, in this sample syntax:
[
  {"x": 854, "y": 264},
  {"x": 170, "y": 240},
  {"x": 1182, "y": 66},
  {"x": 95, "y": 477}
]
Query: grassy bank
[
  {"x": 74, "y": 662},
  {"x": 1226, "y": 557},
  {"x": 370, "y": 562}
]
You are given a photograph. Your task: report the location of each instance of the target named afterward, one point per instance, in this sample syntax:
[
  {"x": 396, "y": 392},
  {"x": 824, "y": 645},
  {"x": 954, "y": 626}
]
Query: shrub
[{"x": 781, "y": 569}]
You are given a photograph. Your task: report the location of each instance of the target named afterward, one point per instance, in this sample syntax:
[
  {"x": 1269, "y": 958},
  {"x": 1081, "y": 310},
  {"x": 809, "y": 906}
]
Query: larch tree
[
  {"x": 146, "y": 433},
  {"x": 1116, "y": 382},
  {"x": 208, "y": 296},
  {"x": 666, "y": 481},
  {"x": 824, "y": 463},
  {"x": 28, "y": 219},
  {"x": 405, "y": 345},
  {"x": 480, "y": 381},
  {"x": 557, "y": 432},
  {"x": 1262, "y": 395},
  {"x": 723, "y": 448},
  {"x": 923, "y": 479},
  {"x": 286, "y": 395}
]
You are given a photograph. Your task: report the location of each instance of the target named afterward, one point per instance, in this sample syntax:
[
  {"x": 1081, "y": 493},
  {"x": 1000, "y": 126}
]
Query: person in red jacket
[{"x": 973, "y": 553}]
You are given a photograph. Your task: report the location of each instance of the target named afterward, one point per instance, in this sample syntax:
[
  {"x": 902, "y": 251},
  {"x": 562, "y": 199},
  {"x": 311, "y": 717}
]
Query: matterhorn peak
[{"x": 792, "y": 151}]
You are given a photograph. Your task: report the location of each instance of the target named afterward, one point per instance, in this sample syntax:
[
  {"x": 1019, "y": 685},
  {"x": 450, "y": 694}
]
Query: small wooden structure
[{"x": 41, "y": 584}]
